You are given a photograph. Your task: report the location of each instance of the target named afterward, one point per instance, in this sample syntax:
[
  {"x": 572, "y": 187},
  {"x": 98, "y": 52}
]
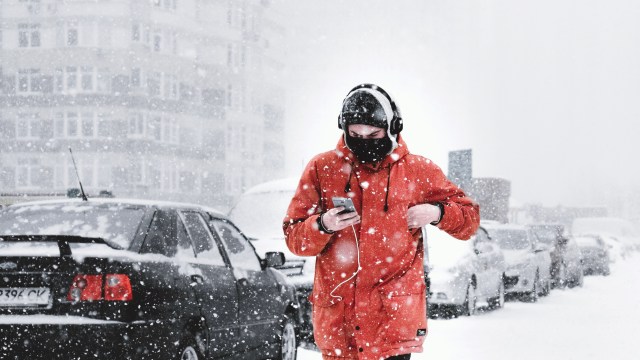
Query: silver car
[
  {"x": 528, "y": 262},
  {"x": 463, "y": 274},
  {"x": 594, "y": 254}
]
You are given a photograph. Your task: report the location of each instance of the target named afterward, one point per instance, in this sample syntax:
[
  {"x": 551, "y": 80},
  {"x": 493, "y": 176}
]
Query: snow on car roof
[
  {"x": 140, "y": 202},
  {"x": 445, "y": 250},
  {"x": 497, "y": 225},
  {"x": 285, "y": 184}
]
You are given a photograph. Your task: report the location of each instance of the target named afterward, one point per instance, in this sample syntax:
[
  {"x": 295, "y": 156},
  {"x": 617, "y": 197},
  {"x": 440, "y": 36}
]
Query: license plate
[{"x": 24, "y": 296}]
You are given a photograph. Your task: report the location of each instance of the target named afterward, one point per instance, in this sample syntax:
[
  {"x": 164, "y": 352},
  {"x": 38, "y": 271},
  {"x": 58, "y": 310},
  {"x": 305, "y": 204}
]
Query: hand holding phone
[
  {"x": 347, "y": 203},
  {"x": 335, "y": 220}
]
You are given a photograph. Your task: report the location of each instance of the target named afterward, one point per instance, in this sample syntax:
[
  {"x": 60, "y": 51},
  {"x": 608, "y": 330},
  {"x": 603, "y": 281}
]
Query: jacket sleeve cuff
[
  {"x": 441, "y": 207},
  {"x": 321, "y": 226}
]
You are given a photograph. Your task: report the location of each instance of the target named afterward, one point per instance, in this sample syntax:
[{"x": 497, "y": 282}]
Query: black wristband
[
  {"x": 441, "y": 206},
  {"x": 321, "y": 225}
]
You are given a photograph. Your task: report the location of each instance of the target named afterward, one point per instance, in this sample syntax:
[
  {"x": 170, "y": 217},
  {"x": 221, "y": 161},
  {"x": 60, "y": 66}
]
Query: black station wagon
[{"x": 126, "y": 279}]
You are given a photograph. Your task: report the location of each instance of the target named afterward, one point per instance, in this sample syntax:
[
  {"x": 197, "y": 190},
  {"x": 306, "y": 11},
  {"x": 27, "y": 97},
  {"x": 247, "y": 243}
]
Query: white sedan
[{"x": 463, "y": 273}]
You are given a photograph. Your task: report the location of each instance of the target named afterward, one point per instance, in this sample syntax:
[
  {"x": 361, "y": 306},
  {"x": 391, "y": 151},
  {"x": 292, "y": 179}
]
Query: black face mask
[{"x": 369, "y": 150}]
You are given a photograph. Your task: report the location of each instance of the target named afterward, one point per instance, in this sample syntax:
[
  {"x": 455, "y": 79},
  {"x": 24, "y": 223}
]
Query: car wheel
[
  {"x": 498, "y": 301},
  {"x": 576, "y": 280},
  {"x": 580, "y": 280},
  {"x": 545, "y": 288},
  {"x": 469, "y": 307},
  {"x": 191, "y": 348},
  {"x": 532, "y": 296},
  {"x": 288, "y": 343},
  {"x": 561, "y": 278},
  {"x": 190, "y": 352}
]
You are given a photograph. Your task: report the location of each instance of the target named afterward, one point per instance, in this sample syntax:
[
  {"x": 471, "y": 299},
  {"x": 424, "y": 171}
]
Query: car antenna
[{"x": 84, "y": 196}]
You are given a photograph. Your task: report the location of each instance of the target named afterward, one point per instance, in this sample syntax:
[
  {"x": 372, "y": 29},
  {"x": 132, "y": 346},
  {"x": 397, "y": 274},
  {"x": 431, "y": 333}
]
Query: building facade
[{"x": 163, "y": 99}]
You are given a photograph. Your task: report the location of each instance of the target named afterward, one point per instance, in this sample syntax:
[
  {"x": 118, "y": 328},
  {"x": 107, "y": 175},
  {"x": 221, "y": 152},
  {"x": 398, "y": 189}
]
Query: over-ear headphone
[{"x": 395, "y": 125}]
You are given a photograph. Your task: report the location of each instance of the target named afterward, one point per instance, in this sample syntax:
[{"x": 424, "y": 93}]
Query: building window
[
  {"x": 28, "y": 35},
  {"x": 26, "y": 172},
  {"x": 136, "y": 30},
  {"x": 104, "y": 80},
  {"x": 104, "y": 126},
  {"x": 170, "y": 87},
  {"x": 87, "y": 122},
  {"x": 170, "y": 130},
  {"x": 81, "y": 79},
  {"x": 157, "y": 41},
  {"x": 153, "y": 83},
  {"x": 58, "y": 81},
  {"x": 27, "y": 125},
  {"x": 28, "y": 80},
  {"x": 72, "y": 34},
  {"x": 87, "y": 79},
  {"x": 74, "y": 125},
  {"x": 71, "y": 76},
  {"x": 136, "y": 125},
  {"x": 155, "y": 128},
  {"x": 136, "y": 77},
  {"x": 165, "y": 4}
]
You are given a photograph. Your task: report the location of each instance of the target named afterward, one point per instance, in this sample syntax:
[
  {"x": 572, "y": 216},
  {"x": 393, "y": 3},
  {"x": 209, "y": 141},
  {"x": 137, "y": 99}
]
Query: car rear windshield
[
  {"x": 510, "y": 239},
  {"x": 546, "y": 234},
  {"x": 115, "y": 223}
]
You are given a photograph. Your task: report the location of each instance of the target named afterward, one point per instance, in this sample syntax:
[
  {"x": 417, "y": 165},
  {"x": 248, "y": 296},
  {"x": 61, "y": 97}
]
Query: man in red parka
[{"x": 369, "y": 294}]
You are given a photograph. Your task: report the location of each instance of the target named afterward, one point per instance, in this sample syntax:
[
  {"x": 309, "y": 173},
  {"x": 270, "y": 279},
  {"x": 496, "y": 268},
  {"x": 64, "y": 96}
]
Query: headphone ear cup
[
  {"x": 396, "y": 125},
  {"x": 340, "y": 121}
]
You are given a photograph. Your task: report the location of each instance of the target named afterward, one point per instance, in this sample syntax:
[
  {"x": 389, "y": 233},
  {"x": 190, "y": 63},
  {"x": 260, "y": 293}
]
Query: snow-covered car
[
  {"x": 128, "y": 279},
  {"x": 528, "y": 262},
  {"x": 566, "y": 268},
  {"x": 594, "y": 254},
  {"x": 463, "y": 274},
  {"x": 259, "y": 213},
  {"x": 620, "y": 236}
]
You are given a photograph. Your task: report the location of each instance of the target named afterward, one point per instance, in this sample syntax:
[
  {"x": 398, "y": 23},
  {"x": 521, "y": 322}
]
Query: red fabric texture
[{"x": 382, "y": 311}]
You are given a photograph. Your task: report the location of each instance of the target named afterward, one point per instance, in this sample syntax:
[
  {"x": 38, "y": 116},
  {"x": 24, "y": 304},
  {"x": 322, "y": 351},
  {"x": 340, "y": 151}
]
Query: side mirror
[
  {"x": 539, "y": 248},
  {"x": 274, "y": 259},
  {"x": 482, "y": 247}
]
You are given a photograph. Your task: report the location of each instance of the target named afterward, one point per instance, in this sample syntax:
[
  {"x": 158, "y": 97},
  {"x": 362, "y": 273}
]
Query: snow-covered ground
[{"x": 598, "y": 321}]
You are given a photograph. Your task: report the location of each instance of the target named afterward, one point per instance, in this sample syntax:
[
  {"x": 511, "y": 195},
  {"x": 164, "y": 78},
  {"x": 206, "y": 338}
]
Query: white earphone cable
[{"x": 355, "y": 273}]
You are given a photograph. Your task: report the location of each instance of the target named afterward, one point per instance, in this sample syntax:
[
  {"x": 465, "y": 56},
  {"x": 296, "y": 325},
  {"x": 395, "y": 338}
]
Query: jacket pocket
[
  {"x": 328, "y": 324},
  {"x": 405, "y": 317}
]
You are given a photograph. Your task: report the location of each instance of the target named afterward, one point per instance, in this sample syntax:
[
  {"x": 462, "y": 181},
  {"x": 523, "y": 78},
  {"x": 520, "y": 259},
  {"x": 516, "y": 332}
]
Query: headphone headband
[{"x": 395, "y": 125}]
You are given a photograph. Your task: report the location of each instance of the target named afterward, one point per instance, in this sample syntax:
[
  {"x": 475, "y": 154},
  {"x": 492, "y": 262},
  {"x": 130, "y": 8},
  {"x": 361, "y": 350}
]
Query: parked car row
[
  {"x": 506, "y": 260},
  {"x": 126, "y": 279}
]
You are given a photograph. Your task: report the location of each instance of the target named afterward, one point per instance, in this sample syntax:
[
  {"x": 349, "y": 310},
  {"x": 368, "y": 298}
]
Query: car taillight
[
  {"x": 117, "y": 287},
  {"x": 86, "y": 288}
]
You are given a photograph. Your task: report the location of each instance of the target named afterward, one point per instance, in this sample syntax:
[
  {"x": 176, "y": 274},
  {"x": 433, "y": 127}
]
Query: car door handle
[{"x": 197, "y": 279}]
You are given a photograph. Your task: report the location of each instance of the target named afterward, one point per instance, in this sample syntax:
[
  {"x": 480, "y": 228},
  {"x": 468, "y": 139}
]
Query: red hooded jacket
[{"x": 380, "y": 312}]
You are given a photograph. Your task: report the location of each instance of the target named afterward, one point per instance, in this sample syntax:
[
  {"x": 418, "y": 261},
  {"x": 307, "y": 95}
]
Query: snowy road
[{"x": 598, "y": 321}]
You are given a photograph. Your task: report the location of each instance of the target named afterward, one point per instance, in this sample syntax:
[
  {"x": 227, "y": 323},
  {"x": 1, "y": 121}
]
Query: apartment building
[{"x": 162, "y": 99}]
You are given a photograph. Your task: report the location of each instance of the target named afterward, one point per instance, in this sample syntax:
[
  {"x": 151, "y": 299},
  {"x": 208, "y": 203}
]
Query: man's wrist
[
  {"x": 441, "y": 207},
  {"x": 321, "y": 226}
]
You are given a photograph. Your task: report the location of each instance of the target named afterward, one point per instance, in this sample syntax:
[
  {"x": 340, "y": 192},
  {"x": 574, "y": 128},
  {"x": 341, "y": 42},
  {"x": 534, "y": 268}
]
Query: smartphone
[{"x": 346, "y": 202}]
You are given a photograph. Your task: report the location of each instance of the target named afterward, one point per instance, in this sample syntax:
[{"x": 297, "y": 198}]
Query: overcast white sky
[{"x": 545, "y": 92}]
